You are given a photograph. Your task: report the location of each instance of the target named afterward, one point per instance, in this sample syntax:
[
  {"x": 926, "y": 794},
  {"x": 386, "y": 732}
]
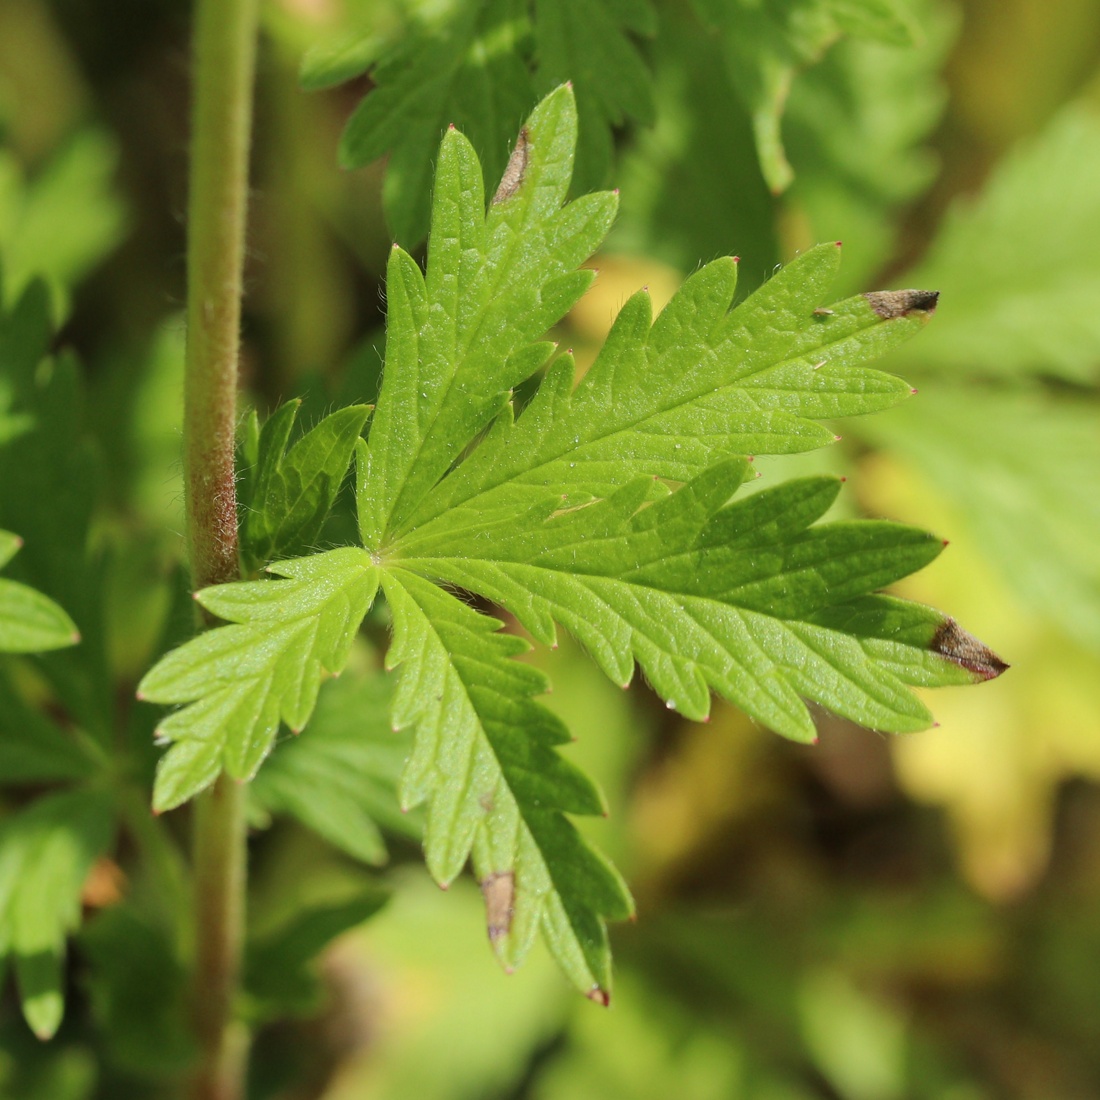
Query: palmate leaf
[{"x": 605, "y": 508}]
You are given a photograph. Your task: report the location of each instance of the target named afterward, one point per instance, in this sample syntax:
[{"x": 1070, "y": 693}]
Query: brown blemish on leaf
[
  {"x": 600, "y": 996},
  {"x": 957, "y": 645},
  {"x": 499, "y": 892},
  {"x": 891, "y": 304},
  {"x": 516, "y": 169}
]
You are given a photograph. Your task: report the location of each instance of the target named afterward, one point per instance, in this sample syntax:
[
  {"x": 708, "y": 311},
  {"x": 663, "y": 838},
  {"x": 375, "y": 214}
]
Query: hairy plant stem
[{"x": 223, "y": 73}]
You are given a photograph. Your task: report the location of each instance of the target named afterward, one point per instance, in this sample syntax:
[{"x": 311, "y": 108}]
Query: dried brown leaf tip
[
  {"x": 499, "y": 892},
  {"x": 957, "y": 645},
  {"x": 890, "y": 304},
  {"x": 516, "y": 169}
]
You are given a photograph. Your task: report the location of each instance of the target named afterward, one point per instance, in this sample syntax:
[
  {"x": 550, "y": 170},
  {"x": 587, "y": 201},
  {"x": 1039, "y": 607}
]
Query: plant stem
[
  {"x": 219, "y": 918},
  {"x": 224, "y": 64},
  {"x": 223, "y": 74}
]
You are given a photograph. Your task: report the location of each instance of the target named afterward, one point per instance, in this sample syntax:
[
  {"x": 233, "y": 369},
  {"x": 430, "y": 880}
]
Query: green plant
[{"x": 617, "y": 507}]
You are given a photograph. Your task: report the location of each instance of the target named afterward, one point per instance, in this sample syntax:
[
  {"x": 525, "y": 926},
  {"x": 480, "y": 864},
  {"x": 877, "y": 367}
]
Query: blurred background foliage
[{"x": 866, "y": 919}]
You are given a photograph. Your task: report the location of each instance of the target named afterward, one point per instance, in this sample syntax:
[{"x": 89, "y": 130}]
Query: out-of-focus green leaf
[
  {"x": 289, "y": 489},
  {"x": 691, "y": 185},
  {"x": 47, "y": 1072},
  {"x": 859, "y": 1042},
  {"x": 1022, "y": 475},
  {"x": 45, "y": 855},
  {"x": 454, "y": 1027},
  {"x": 766, "y": 44},
  {"x": 62, "y": 222},
  {"x": 856, "y": 130},
  {"x": 588, "y": 43},
  {"x": 462, "y": 66},
  {"x": 650, "y": 1048},
  {"x": 280, "y": 978},
  {"x": 241, "y": 680},
  {"x": 138, "y": 993},
  {"x": 340, "y": 778},
  {"x": 1018, "y": 265},
  {"x": 50, "y": 479},
  {"x": 32, "y": 748},
  {"x": 29, "y": 621}
]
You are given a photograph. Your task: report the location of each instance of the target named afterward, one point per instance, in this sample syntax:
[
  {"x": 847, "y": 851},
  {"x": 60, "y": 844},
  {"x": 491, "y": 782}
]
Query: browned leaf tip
[
  {"x": 499, "y": 892},
  {"x": 516, "y": 169},
  {"x": 889, "y": 304},
  {"x": 600, "y": 996},
  {"x": 957, "y": 645}
]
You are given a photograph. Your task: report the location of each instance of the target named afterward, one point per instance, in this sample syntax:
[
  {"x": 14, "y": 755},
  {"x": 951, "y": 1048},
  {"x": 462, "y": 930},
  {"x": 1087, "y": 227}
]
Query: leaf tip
[
  {"x": 838, "y": 244},
  {"x": 892, "y": 304},
  {"x": 961, "y": 647},
  {"x": 913, "y": 391},
  {"x": 837, "y": 438},
  {"x": 599, "y": 996},
  {"x": 736, "y": 259},
  {"x": 74, "y": 638}
]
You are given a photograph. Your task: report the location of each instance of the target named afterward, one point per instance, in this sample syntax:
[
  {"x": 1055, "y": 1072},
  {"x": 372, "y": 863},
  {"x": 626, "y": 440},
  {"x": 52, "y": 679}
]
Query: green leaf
[
  {"x": 342, "y": 778},
  {"x": 745, "y": 599},
  {"x": 1023, "y": 290},
  {"x": 62, "y": 223},
  {"x": 463, "y": 68},
  {"x": 241, "y": 680},
  {"x": 856, "y": 130},
  {"x": 485, "y": 761},
  {"x": 50, "y": 484},
  {"x": 289, "y": 490},
  {"x": 690, "y": 189},
  {"x": 461, "y": 336},
  {"x": 280, "y": 976},
  {"x": 699, "y": 385},
  {"x": 588, "y": 43},
  {"x": 45, "y": 855},
  {"x": 767, "y": 44},
  {"x": 33, "y": 749},
  {"x": 568, "y": 516},
  {"x": 1034, "y": 510},
  {"x": 143, "y": 1022},
  {"x": 29, "y": 621}
]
